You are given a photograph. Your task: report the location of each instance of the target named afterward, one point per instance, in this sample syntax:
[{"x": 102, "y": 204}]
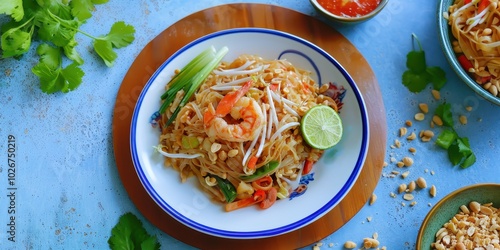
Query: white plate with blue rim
[{"x": 321, "y": 190}]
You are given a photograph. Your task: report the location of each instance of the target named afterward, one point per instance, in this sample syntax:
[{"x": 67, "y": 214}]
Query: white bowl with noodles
[
  {"x": 446, "y": 39},
  {"x": 333, "y": 175}
]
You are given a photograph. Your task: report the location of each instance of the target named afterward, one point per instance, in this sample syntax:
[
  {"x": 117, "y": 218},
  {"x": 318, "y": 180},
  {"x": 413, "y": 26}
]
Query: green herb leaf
[
  {"x": 49, "y": 56},
  {"x": 454, "y": 154},
  {"x": 150, "y": 243},
  {"x": 14, "y": 8},
  {"x": 82, "y": 9},
  {"x": 15, "y": 42},
  {"x": 437, "y": 77},
  {"x": 71, "y": 52},
  {"x": 52, "y": 76},
  {"x": 464, "y": 146},
  {"x": 418, "y": 75},
  {"x": 119, "y": 36},
  {"x": 57, "y": 22},
  {"x": 446, "y": 138},
  {"x": 469, "y": 161},
  {"x": 72, "y": 75},
  {"x": 105, "y": 50},
  {"x": 129, "y": 233},
  {"x": 444, "y": 112},
  {"x": 56, "y": 30},
  {"x": 415, "y": 61},
  {"x": 414, "y": 82}
]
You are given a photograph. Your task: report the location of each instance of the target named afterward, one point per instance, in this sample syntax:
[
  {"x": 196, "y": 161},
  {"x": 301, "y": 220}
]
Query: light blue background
[{"x": 69, "y": 192}]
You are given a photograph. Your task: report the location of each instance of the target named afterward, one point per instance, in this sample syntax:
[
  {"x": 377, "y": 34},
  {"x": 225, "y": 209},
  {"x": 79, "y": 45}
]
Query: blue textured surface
[{"x": 70, "y": 195}]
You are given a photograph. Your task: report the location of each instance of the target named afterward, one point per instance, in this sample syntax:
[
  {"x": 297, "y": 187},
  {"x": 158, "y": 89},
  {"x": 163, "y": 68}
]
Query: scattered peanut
[
  {"x": 402, "y": 131},
  {"x": 349, "y": 244},
  {"x": 437, "y": 120},
  {"x": 402, "y": 188},
  {"x": 419, "y": 116},
  {"x": 421, "y": 183},
  {"x": 397, "y": 143},
  {"x": 432, "y": 191},
  {"x": 462, "y": 119},
  {"x": 370, "y": 243},
  {"x": 412, "y": 150},
  {"x": 411, "y": 186},
  {"x": 373, "y": 198},
  {"x": 405, "y": 174},
  {"x": 408, "y": 197},
  {"x": 436, "y": 94},
  {"x": 408, "y": 123},
  {"x": 423, "y": 107},
  {"x": 407, "y": 161},
  {"x": 411, "y": 137},
  {"x": 400, "y": 164}
]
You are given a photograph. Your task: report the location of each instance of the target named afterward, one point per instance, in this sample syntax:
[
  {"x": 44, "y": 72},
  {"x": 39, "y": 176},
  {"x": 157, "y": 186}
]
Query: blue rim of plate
[
  {"x": 445, "y": 38},
  {"x": 263, "y": 233}
]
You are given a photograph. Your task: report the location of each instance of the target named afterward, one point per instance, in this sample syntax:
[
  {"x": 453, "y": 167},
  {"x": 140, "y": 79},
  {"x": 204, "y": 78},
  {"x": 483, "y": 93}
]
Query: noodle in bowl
[
  {"x": 269, "y": 131},
  {"x": 470, "y": 36}
]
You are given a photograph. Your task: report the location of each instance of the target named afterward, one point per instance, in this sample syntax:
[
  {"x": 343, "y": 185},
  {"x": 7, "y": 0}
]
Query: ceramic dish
[
  {"x": 448, "y": 206},
  {"x": 334, "y": 174},
  {"x": 347, "y": 19},
  {"x": 446, "y": 38}
]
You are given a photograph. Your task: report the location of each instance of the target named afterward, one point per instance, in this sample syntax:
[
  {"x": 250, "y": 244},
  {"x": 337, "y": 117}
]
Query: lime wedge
[{"x": 321, "y": 127}]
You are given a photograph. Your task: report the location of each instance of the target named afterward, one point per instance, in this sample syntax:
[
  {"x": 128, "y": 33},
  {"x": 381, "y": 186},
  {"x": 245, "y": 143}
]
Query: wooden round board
[{"x": 263, "y": 16}]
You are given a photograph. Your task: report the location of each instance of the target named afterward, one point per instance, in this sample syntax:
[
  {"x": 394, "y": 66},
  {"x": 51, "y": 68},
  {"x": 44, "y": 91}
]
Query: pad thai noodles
[
  {"x": 475, "y": 26},
  {"x": 239, "y": 134}
]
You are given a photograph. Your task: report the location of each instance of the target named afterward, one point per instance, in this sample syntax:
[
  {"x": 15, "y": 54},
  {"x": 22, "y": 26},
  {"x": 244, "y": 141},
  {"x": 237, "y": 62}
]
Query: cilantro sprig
[
  {"x": 419, "y": 75},
  {"x": 129, "y": 233},
  {"x": 56, "y": 24},
  {"x": 459, "y": 150}
]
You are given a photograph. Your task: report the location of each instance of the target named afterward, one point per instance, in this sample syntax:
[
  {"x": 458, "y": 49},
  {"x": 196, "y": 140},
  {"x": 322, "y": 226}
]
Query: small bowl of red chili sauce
[{"x": 349, "y": 11}]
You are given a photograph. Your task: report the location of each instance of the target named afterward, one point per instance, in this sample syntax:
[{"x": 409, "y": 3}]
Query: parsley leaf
[
  {"x": 418, "y": 74},
  {"x": 14, "y": 8},
  {"x": 129, "y": 233},
  {"x": 119, "y": 36},
  {"x": 15, "y": 42},
  {"x": 459, "y": 151},
  {"x": 444, "y": 112},
  {"x": 52, "y": 76},
  {"x": 57, "y": 23},
  {"x": 437, "y": 77},
  {"x": 414, "y": 82}
]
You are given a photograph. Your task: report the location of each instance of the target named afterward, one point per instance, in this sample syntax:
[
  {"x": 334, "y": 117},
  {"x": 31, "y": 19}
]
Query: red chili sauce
[{"x": 349, "y": 8}]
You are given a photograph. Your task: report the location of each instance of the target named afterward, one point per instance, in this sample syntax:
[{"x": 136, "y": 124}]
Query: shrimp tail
[{"x": 228, "y": 101}]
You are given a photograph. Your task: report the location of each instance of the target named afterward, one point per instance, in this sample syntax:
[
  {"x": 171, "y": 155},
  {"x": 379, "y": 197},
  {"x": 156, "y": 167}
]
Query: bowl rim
[
  {"x": 445, "y": 41},
  {"x": 437, "y": 206},
  {"x": 290, "y": 226},
  {"x": 374, "y": 12}
]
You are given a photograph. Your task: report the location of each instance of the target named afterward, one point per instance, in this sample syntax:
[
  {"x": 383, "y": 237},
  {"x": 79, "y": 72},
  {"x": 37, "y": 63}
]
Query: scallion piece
[{"x": 190, "y": 78}]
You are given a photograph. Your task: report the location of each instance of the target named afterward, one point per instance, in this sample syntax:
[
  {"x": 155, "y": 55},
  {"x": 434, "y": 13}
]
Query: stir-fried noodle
[
  {"x": 245, "y": 116},
  {"x": 475, "y": 26}
]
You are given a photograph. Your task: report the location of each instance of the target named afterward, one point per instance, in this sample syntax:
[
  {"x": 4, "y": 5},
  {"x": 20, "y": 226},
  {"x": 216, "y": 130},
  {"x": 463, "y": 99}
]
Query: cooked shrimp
[{"x": 244, "y": 110}]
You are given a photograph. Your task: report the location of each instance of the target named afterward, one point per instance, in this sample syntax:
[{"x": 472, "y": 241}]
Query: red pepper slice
[
  {"x": 483, "y": 5},
  {"x": 264, "y": 183},
  {"x": 308, "y": 165},
  {"x": 465, "y": 63}
]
